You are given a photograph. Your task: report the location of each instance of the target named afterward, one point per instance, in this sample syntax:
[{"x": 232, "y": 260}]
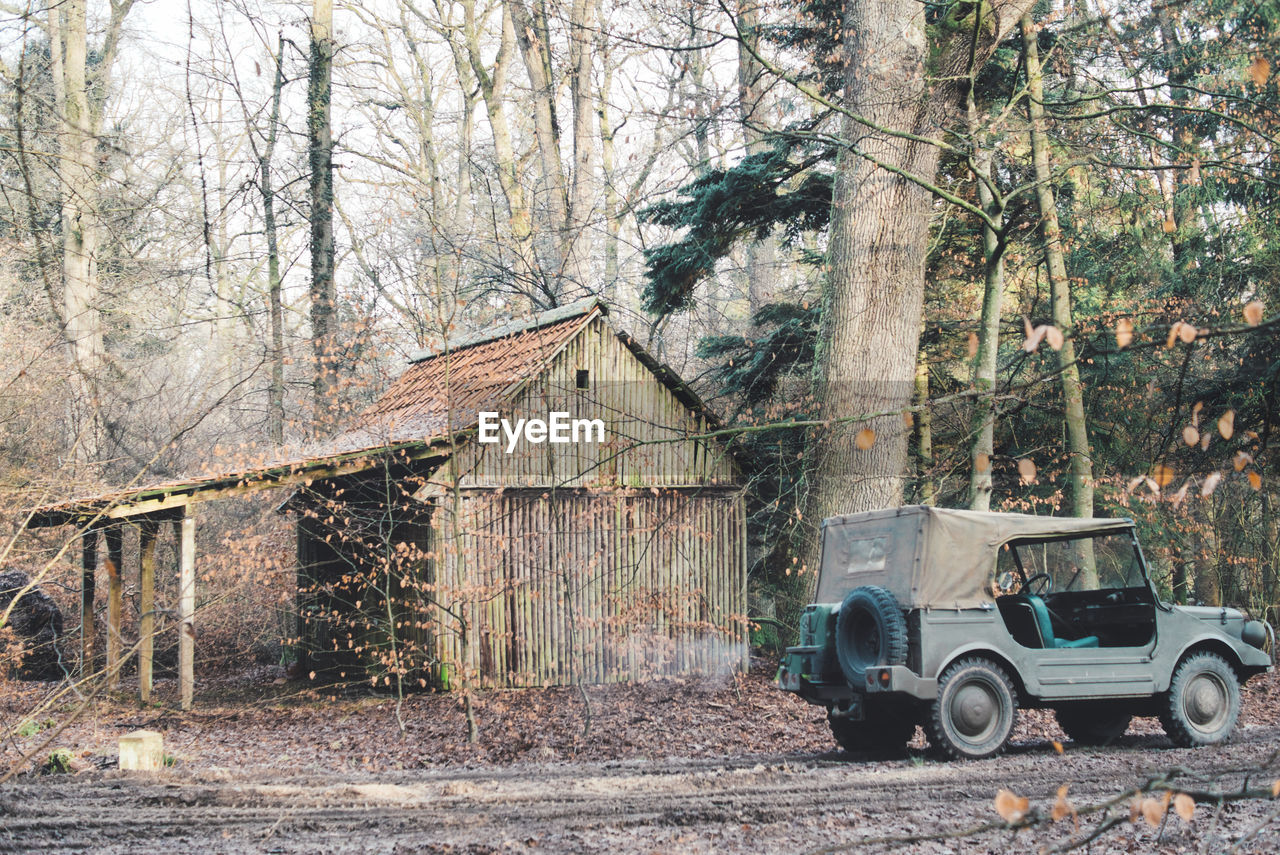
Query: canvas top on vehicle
[{"x": 932, "y": 557}]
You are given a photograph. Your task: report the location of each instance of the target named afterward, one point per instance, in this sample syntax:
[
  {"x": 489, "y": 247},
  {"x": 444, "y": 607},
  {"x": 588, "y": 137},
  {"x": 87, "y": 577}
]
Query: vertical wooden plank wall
[{"x": 598, "y": 586}]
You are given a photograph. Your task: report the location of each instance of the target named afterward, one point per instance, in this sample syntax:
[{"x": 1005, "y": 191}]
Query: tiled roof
[{"x": 443, "y": 391}]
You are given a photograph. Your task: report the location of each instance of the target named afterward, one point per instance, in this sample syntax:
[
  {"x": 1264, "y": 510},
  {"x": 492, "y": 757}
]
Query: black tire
[
  {"x": 870, "y": 631},
  {"x": 883, "y": 733},
  {"x": 974, "y": 712},
  {"x": 1203, "y": 701},
  {"x": 1093, "y": 724}
]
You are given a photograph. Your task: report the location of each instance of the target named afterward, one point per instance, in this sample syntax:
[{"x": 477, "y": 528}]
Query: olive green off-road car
[{"x": 955, "y": 619}]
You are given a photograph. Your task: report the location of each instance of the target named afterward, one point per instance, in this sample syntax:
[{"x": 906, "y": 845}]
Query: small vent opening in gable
[{"x": 584, "y": 378}]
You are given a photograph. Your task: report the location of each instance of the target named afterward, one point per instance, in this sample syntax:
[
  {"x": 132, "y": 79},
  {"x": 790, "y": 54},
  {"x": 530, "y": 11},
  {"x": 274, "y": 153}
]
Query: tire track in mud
[{"x": 787, "y": 802}]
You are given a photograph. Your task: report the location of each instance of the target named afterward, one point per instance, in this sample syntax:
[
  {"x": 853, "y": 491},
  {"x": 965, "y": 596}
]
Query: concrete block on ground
[{"x": 142, "y": 751}]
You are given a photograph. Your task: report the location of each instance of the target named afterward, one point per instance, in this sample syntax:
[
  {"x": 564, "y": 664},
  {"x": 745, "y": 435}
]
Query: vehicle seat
[{"x": 1050, "y": 641}]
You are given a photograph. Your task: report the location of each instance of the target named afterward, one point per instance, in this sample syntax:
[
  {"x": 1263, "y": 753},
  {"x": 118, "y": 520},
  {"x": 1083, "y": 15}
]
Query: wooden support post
[
  {"x": 186, "y": 607},
  {"x": 88, "y": 582},
  {"x": 146, "y": 606},
  {"x": 115, "y": 597}
]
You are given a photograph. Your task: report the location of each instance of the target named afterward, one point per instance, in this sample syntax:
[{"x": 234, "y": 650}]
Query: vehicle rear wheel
[
  {"x": 974, "y": 712},
  {"x": 870, "y": 631},
  {"x": 1093, "y": 724},
  {"x": 1203, "y": 701},
  {"x": 884, "y": 732}
]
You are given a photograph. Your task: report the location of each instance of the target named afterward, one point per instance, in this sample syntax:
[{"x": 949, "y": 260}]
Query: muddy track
[{"x": 747, "y": 804}]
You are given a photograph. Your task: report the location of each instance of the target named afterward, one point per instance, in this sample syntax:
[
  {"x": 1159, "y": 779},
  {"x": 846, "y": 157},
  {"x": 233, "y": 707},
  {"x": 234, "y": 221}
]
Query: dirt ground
[{"x": 730, "y": 766}]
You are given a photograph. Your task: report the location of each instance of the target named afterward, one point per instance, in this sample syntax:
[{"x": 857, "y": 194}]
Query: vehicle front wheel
[
  {"x": 884, "y": 732},
  {"x": 1093, "y": 724},
  {"x": 1203, "y": 701},
  {"x": 974, "y": 712}
]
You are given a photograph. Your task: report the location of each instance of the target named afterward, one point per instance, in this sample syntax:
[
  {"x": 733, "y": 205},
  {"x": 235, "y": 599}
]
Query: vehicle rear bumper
[{"x": 902, "y": 680}]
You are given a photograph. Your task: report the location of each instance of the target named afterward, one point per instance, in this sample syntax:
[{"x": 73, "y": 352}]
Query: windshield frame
[{"x": 1014, "y": 543}]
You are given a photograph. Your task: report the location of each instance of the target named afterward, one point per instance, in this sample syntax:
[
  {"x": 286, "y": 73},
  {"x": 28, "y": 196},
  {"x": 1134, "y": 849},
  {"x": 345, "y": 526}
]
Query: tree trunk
[
  {"x": 80, "y": 92},
  {"x": 275, "y": 393},
  {"x": 320, "y": 142},
  {"x": 82, "y": 318},
  {"x": 760, "y": 255},
  {"x": 493, "y": 82},
  {"x": 983, "y": 425},
  {"x": 612, "y": 202},
  {"x": 879, "y": 238},
  {"x": 924, "y": 433},
  {"x": 876, "y": 252},
  {"x": 577, "y": 243},
  {"x": 533, "y": 38},
  {"x": 1081, "y": 457}
]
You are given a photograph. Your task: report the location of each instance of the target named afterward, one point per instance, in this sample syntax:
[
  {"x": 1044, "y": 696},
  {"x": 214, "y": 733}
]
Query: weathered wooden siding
[
  {"x": 646, "y": 427},
  {"x": 578, "y": 586},
  {"x": 557, "y": 563}
]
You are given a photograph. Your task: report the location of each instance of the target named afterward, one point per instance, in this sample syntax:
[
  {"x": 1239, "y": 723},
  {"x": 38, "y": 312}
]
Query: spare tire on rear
[{"x": 871, "y": 631}]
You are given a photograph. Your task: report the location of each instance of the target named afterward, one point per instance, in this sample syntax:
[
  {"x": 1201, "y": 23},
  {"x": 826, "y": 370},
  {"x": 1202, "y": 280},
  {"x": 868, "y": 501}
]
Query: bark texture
[
  {"x": 320, "y": 139},
  {"x": 900, "y": 80},
  {"x": 875, "y": 289}
]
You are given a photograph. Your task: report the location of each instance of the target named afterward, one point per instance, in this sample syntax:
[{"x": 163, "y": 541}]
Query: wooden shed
[
  {"x": 432, "y": 556},
  {"x": 509, "y": 558}
]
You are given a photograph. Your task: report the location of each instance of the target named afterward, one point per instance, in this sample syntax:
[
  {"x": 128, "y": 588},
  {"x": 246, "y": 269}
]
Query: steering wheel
[{"x": 1044, "y": 580}]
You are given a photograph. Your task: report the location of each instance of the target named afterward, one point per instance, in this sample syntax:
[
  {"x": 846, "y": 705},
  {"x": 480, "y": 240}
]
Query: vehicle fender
[
  {"x": 1023, "y": 679},
  {"x": 1209, "y": 643}
]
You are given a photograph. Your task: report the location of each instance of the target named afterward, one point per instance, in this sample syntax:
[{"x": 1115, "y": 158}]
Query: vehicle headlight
[{"x": 1254, "y": 633}]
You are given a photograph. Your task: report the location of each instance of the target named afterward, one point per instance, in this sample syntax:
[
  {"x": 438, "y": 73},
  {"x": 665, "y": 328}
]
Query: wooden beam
[
  {"x": 146, "y": 606},
  {"x": 170, "y": 505},
  {"x": 186, "y": 608},
  {"x": 115, "y": 598},
  {"x": 88, "y": 583}
]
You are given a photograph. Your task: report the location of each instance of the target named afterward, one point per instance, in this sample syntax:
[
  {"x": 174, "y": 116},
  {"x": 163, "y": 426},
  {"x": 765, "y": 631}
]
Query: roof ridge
[{"x": 514, "y": 327}]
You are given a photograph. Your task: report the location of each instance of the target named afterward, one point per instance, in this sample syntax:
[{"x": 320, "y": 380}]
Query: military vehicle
[{"x": 955, "y": 619}]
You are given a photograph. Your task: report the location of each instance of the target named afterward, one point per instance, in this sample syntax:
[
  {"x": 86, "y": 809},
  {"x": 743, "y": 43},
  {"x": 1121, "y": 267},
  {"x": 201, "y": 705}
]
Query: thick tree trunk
[
  {"x": 80, "y": 92},
  {"x": 875, "y": 288},
  {"x": 878, "y": 238},
  {"x": 1081, "y": 457},
  {"x": 320, "y": 142},
  {"x": 82, "y": 318}
]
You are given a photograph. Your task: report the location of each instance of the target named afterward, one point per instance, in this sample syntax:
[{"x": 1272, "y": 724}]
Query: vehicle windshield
[{"x": 1077, "y": 564}]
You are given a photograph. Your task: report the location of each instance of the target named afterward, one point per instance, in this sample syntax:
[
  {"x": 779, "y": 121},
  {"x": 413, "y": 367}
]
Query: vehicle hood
[{"x": 1227, "y": 619}]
